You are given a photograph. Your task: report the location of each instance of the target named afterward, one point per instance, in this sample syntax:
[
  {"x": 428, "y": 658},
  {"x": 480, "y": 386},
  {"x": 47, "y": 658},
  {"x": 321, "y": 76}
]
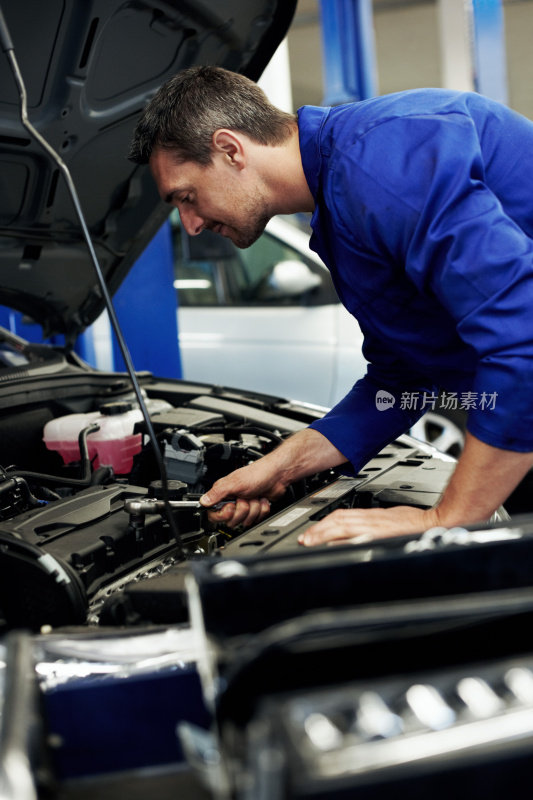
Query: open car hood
[{"x": 90, "y": 67}]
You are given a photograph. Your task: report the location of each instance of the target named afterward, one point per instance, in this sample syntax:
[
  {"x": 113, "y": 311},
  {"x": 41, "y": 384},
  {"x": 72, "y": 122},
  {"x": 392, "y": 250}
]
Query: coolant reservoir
[{"x": 113, "y": 445}]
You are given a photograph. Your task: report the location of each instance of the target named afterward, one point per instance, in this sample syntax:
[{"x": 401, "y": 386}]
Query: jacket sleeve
[{"x": 427, "y": 207}]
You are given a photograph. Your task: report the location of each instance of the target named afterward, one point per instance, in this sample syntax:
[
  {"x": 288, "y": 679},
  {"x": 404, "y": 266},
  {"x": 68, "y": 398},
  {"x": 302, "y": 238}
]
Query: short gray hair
[{"x": 196, "y": 102}]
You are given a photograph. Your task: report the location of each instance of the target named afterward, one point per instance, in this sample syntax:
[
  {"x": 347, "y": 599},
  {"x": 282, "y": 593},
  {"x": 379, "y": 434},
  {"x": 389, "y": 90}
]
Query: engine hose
[{"x": 85, "y": 461}]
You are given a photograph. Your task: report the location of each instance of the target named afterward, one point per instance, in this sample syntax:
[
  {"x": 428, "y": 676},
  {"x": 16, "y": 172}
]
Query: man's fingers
[
  {"x": 233, "y": 485},
  {"x": 244, "y": 510},
  {"x": 213, "y": 496},
  {"x": 241, "y": 512},
  {"x": 258, "y": 509},
  {"x": 364, "y": 525},
  {"x": 222, "y": 514},
  {"x": 335, "y": 526}
]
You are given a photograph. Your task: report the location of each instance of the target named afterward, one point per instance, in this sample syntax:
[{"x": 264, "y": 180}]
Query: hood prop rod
[{"x": 9, "y": 50}]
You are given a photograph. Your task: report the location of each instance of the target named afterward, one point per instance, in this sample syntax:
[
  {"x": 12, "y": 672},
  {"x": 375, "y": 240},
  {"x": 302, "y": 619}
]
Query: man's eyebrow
[{"x": 177, "y": 190}]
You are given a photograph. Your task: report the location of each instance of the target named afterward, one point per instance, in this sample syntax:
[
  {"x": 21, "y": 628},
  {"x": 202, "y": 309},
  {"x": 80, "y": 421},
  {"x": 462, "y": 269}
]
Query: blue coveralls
[{"x": 424, "y": 216}]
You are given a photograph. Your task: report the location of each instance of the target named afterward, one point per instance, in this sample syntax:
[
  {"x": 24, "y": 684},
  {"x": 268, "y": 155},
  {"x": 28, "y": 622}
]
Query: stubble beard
[
  {"x": 256, "y": 218},
  {"x": 246, "y": 236}
]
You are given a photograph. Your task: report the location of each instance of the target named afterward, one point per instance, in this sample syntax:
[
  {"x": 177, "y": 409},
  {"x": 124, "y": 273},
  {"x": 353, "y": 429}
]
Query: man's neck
[{"x": 283, "y": 175}]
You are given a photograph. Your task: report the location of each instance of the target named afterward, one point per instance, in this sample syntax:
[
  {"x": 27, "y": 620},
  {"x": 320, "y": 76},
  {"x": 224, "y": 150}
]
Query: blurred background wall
[{"x": 409, "y": 49}]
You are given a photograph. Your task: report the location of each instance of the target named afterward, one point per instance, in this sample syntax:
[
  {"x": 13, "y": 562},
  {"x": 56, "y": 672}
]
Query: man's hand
[
  {"x": 483, "y": 479},
  {"x": 253, "y": 487},
  {"x": 360, "y": 525}
]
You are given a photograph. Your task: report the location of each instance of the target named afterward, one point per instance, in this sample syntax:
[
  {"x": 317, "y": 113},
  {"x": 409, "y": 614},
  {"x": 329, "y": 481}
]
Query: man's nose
[{"x": 192, "y": 223}]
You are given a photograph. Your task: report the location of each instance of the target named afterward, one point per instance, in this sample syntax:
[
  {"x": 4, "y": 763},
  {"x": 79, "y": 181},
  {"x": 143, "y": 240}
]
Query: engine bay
[
  {"x": 82, "y": 519},
  {"x": 224, "y": 622}
]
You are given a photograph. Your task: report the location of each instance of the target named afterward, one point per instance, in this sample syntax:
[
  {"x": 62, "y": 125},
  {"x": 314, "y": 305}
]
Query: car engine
[{"x": 82, "y": 520}]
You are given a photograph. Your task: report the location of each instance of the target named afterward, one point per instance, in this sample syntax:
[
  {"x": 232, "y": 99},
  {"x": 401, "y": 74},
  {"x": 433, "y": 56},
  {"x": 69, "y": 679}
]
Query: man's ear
[{"x": 229, "y": 144}]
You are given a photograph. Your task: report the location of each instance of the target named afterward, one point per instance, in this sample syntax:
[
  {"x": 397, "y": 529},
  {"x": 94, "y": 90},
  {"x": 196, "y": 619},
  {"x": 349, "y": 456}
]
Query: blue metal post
[
  {"x": 489, "y": 49},
  {"x": 146, "y": 307},
  {"x": 85, "y": 348},
  {"x": 348, "y": 50},
  {"x": 16, "y": 322}
]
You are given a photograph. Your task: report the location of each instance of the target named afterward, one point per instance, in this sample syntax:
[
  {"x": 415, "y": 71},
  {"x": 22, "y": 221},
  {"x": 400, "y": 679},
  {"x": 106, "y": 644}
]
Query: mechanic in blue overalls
[{"x": 422, "y": 209}]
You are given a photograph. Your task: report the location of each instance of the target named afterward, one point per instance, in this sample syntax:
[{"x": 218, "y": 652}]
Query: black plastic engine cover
[{"x": 54, "y": 559}]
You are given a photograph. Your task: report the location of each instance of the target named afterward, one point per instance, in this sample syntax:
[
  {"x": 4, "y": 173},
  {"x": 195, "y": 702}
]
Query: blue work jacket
[{"x": 424, "y": 216}]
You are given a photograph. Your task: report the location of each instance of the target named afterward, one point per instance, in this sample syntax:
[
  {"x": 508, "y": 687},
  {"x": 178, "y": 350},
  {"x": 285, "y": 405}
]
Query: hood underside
[{"x": 90, "y": 67}]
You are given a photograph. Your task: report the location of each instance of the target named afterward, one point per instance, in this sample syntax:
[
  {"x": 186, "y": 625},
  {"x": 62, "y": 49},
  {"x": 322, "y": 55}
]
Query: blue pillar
[
  {"x": 84, "y": 347},
  {"x": 348, "y": 50},
  {"x": 489, "y": 49},
  {"x": 18, "y": 323},
  {"x": 8, "y": 319},
  {"x": 146, "y": 308}
]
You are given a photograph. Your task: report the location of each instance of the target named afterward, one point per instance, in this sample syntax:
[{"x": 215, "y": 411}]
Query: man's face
[{"x": 217, "y": 197}]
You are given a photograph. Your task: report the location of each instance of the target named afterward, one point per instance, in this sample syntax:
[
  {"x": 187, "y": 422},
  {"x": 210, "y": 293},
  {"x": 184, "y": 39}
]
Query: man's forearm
[
  {"x": 267, "y": 478},
  {"x": 482, "y": 481},
  {"x": 304, "y": 453},
  {"x": 484, "y": 478}
]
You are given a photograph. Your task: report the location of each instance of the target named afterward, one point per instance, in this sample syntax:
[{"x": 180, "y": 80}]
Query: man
[{"x": 422, "y": 211}]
